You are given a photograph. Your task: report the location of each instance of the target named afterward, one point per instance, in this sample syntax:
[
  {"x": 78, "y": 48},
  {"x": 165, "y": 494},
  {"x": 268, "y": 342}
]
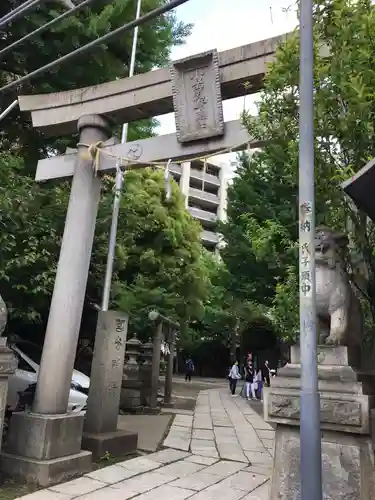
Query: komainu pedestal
[{"x": 347, "y": 396}]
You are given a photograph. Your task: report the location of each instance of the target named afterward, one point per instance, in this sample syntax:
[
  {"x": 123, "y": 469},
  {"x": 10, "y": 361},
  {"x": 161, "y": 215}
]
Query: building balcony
[
  {"x": 207, "y": 219},
  {"x": 209, "y": 238},
  {"x": 199, "y": 176},
  {"x": 203, "y": 198}
]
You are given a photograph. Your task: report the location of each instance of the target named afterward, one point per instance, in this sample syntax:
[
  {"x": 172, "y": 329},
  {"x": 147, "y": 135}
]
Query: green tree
[
  {"x": 159, "y": 257},
  {"x": 344, "y": 106},
  {"x": 105, "y": 63},
  {"x": 226, "y": 315},
  {"x": 31, "y": 223},
  {"x": 32, "y": 215}
]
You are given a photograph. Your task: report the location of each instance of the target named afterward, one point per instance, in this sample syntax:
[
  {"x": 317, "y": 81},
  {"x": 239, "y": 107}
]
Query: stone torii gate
[{"x": 45, "y": 446}]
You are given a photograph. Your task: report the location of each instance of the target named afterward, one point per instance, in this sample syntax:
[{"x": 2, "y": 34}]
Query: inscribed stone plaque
[
  {"x": 331, "y": 411},
  {"x": 197, "y": 97},
  {"x": 106, "y": 372}
]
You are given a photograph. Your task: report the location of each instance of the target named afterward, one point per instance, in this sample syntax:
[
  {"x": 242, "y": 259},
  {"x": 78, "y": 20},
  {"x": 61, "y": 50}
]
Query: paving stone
[
  {"x": 202, "y": 424},
  {"x": 79, "y": 486},
  {"x": 219, "y": 491},
  {"x": 256, "y": 457},
  {"x": 177, "y": 443},
  {"x": 261, "y": 493},
  {"x": 266, "y": 434},
  {"x": 202, "y": 411},
  {"x": 166, "y": 492},
  {"x": 176, "y": 433},
  {"x": 222, "y": 440},
  {"x": 224, "y": 431},
  {"x": 232, "y": 452},
  {"x": 252, "y": 445},
  {"x": 197, "y": 481},
  {"x": 183, "y": 420},
  {"x": 268, "y": 443},
  {"x": 224, "y": 468},
  {"x": 180, "y": 431},
  {"x": 208, "y": 452},
  {"x": 111, "y": 474},
  {"x": 203, "y": 434},
  {"x": 245, "y": 481},
  {"x": 202, "y": 443},
  {"x": 167, "y": 456},
  {"x": 221, "y": 423},
  {"x": 142, "y": 483},
  {"x": 181, "y": 469},
  {"x": 45, "y": 495},
  {"x": 197, "y": 459},
  {"x": 260, "y": 424},
  {"x": 108, "y": 493},
  {"x": 266, "y": 470},
  {"x": 139, "y": 465}
]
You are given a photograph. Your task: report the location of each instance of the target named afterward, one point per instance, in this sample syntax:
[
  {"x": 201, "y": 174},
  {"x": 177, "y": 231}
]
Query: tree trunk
[{"x": 233, "y": 341}]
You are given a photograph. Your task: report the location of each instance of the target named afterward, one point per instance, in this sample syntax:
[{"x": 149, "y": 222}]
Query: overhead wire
[
  {"x": 45, "y": 27},
  {"x": 14, "y": 11},
  {"x": 23, "y": 9},
  {"x": 105, "y": 38}
]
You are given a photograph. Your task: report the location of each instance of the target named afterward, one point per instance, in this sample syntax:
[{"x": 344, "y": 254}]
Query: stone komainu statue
[
  {"x": 3, "y": 316},
  {"x": 339, "y": 315}
]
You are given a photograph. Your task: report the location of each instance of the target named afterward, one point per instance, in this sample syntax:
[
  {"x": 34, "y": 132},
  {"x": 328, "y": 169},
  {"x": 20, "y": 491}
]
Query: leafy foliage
[
  {"x": 344, "y": 106},
  {"x": 31, "y": 220},
  {"x": 160, "y": 262},
  {"x": 107, "y": 62},
  {"x": 32, "y": 215}
]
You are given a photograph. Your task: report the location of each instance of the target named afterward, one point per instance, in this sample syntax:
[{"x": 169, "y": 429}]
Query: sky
[{"x": 225, "y": 24}]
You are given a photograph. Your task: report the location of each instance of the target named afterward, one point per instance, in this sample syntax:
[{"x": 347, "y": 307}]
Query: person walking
[
  {"x": 266, "y": 374},
  {"x": 189, "y": 369},
  {"x": 234, "y": 377},
  {"x": 249, "y": 381},
  {"x": 259, "y": 378}
]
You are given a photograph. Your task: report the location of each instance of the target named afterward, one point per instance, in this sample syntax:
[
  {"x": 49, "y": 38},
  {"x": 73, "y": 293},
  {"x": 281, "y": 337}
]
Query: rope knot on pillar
[{"x": 93, "y": 153}]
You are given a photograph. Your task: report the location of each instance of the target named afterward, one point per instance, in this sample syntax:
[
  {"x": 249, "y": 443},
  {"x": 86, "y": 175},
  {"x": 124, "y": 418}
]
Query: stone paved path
[{"x": 223, "y": 451}]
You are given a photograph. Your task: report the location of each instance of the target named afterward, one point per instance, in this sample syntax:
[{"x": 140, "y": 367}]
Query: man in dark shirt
[
  {"x": 189, "y": 369},
  {"x": 266, "y": 374}
]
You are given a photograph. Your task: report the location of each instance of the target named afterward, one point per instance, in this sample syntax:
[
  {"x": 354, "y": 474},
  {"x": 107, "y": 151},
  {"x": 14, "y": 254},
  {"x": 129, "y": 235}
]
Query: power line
[
  {"x": 45, "y": 26},
  {"x": 22, "y": 9},
  {"x": 8, "y": 109},
  {"x": 14, "y": 11},
  {"x": 105, "y": 38}
]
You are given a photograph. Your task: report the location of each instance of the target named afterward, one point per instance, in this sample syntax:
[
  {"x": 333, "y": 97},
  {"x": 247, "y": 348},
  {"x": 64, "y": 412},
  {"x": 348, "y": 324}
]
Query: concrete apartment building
[{"x": 205, "y": 188}]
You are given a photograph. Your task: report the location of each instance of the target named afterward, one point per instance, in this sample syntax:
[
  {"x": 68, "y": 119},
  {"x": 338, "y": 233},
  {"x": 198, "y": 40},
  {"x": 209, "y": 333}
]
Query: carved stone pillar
[
  {"x": 101, "y": 434},
  {"x": 169, "y": 370},
  {"x": 347, "y": 395},
  {"x": 156, "y": 365},
  {"x": 145, "y": 372}
]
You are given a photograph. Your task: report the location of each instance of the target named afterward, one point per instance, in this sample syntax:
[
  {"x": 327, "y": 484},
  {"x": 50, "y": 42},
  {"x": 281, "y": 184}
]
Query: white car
[{"x": 29, "y": 356}]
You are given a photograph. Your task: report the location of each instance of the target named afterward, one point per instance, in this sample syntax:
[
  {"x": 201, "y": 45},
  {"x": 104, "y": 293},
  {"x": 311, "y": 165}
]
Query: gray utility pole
[
  {"x": 311, "y": 454},
  {"x": 118, "y": 187}
]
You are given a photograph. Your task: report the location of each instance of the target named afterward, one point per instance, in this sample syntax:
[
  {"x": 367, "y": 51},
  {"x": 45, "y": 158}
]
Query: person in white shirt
[{"x": 234, "y": 377}]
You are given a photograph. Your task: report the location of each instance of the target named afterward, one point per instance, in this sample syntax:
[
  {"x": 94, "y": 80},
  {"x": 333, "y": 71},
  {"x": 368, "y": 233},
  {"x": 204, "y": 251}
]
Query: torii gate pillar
[{"x": 45, "y": 445}]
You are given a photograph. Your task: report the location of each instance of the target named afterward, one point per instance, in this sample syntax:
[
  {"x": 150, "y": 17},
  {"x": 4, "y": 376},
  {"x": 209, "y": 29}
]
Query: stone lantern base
[{"x": 347, "y": 396}]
